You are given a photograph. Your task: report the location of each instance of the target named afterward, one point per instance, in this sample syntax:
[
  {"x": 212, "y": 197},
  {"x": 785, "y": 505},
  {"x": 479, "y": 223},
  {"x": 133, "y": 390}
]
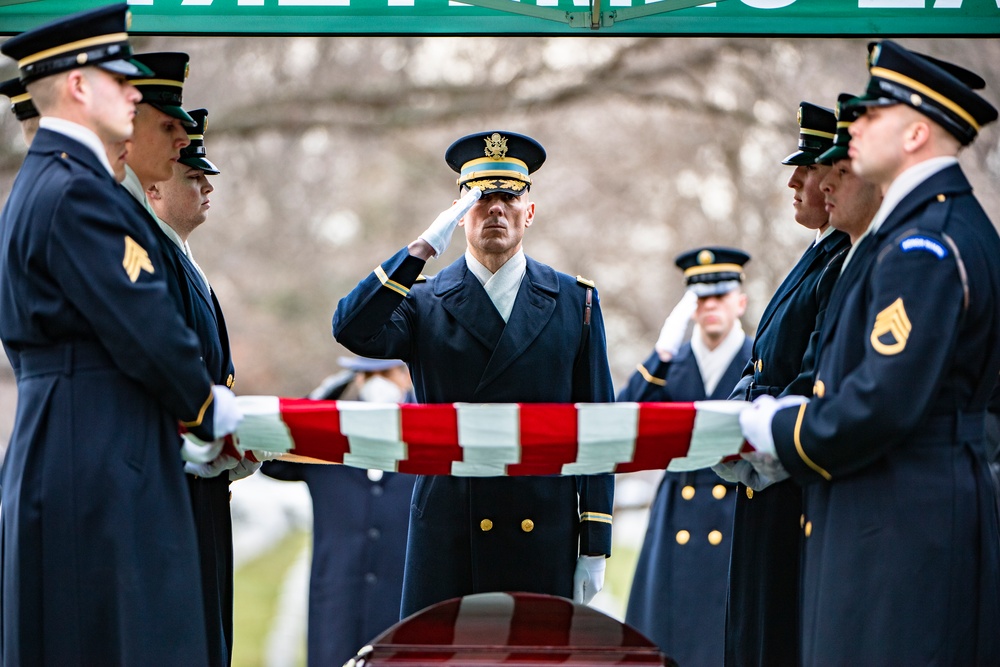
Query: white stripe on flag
[
  {"x": 605, "y": 437},
  {"x": 490, "y": 437},
  {"x": 262, "y": 427},
  {"x": 374, "y": 433},
  {"x": 715, "y": 435}
]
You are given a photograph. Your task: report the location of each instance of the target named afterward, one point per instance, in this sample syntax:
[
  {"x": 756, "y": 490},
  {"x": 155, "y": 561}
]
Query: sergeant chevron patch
[
  {"x": 894, "y": 323},
  {"x": 136, "y": 259}
]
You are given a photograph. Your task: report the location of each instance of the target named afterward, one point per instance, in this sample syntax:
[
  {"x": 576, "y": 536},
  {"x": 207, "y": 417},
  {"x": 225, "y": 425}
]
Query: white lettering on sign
[{"x": 767, "y": 4}]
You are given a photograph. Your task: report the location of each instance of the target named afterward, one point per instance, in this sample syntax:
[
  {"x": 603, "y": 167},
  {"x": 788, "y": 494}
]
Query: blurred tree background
[{"x": 331, "y": 151}]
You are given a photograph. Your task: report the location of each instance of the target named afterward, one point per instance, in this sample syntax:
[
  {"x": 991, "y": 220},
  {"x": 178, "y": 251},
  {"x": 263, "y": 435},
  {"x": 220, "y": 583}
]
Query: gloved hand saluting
[
  {"x": 675, "y": 327},
  {"x": 588, "y": 579},
  {"x": 438, "y": 235}
]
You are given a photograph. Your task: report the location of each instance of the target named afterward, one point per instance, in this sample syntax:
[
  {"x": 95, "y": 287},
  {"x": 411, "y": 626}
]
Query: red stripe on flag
[
  {"x": 315, "y": 428},
  {"x": 431, "y": 436},
  {"x": 548, "y": 438},
  {"x": 664, "y": 433}
]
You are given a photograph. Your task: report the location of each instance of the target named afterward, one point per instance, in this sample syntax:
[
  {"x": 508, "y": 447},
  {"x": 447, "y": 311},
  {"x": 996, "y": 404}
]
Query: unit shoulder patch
[
  {"x": 586, "y": 282},
  {"x": 891, "y": 330},
  {"x": 927, "y": 244}
]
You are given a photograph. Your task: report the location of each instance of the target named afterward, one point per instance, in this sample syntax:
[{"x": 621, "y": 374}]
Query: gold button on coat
[
  {"x": 715, "y": 538},
  {"x": 683, "y": 536},
  {"x": 809, "y": 528},
  {"x": 527, "y": 525},
  {"x": 719, "y": 492},
  {"x": 687, "y": 493},
  {"x": 819, "y": 389},
  {"x": 749, "y": 492},
  {"x": 486, "y": 525}
]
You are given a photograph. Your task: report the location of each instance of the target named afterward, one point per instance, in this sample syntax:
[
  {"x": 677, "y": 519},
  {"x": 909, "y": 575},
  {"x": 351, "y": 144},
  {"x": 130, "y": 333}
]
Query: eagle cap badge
[{"x": 496, "y": 146}]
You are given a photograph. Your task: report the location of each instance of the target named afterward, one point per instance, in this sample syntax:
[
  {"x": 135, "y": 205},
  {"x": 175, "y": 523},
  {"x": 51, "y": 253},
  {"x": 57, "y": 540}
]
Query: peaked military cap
[
  {"x": 712, "y": 270},
  {"x": 942, "y": 91},
  {"x": 194, "y": 154},
  {"x": 817, "y": 128},
  {"x": 495, "y": 161},
  {"x": 846, "y": 115},
  {"x": 97, "y": 37},
  {"x": 20, "y": 99},
  {"x": 164, "y": 88}
]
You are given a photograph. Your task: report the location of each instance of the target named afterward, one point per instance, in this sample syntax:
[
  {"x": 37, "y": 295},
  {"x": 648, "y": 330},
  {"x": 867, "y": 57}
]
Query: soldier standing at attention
[
  {"x": 494, "y": 326},
  {"x": 764, "y": 566},
  {"x": 678, "y": 596},
  {"x": 100, "y": 557},
  {"x": 900, "y": 561}
]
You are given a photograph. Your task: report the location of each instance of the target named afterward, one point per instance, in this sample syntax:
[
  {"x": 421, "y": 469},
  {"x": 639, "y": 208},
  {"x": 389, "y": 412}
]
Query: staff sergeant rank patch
[
  {"x": 892, "y": 328},
  {"x": 923, "y": 243},
  {"x": 136, "y": 259}
]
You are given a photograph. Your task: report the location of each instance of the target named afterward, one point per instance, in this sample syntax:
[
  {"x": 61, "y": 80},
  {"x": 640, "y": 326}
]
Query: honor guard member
[
  {"x": 764, "y": 566},
  {"x": 850, "y": 200},
  {"x": 493, "y": 327},
  {"x": 890, "y": 448},
  {"x": 181, "y": 206},
  {"x": 678, "y": 596},
  {"x": 100, "y": 555},
  {"x": 359, "y": 526},
  {"x": 22, "y": 107}
]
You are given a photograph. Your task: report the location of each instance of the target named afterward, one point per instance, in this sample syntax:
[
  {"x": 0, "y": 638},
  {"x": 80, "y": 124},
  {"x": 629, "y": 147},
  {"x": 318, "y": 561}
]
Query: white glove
[
  {"x": 227, "y": 412},
  {"x": 755, "y": 423},
  {"x": 744, "y": 471},
  {"x": 195, "y": 450},
  {"x": 213, "y": 468},
  {"x": 244, "y": 468},
  {"x": 438, "y": 235},
  {"x": 588, "y": 579},
  {"x": 675, "y": 327}
]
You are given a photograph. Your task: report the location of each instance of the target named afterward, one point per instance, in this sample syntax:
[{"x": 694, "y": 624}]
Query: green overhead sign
[{"x": 535, "y": 17}]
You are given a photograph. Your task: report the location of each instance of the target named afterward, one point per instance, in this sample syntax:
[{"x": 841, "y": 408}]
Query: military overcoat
[{"x": 474, "y": 535}]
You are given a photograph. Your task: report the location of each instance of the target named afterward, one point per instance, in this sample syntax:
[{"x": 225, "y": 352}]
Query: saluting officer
[
  {"x": 678, "y": 596},
  {"x": 900, "y": 563},
  {"x": 764, "y": 566},
  {"x": 22, "y": 107},
  {"x": 494, "y": 326},
  {"x": 181, "y": 205},
  {"x": 100, "y": 560}
]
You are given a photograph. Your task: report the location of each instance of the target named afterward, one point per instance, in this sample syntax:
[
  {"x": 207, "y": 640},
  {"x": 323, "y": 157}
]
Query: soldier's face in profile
[
  {"x": 183, "y": 198},
  {"x": 877, "y": 141},
  {"x": 112, "y": 103},
  {"x": 156, "y": 144},
  {"x": 850, "y": 201},
  {"x": 495, "y": 225},
  {"x": 808, "y": 201}
]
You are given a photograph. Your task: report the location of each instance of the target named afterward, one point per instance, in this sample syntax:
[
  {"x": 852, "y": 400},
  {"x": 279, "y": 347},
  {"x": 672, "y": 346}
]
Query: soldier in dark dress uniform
[
  {"x": 764, "y": 566},
  {"x": 99, "y": 553},
  {"x": 678, "y": 596},
  {"x": 359, "y": 526},
  {"x": 900, "y": 560},
  {"x": 494, "y": 326},
  {"x": 181, "y": 204}
]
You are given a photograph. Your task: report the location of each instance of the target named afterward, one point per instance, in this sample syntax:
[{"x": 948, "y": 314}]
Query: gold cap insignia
[
  {"x": 706, "y": 257},
  {"x": 128, "y": 20},
  {"x": 873, "y": 54},
  {"x": 798, "y": 117},
  {"x": 81, "y": 58},
  {"x": 136, "y": 259},
  {"x": 891, "y": 322},
  {"x": 204, "y": 125},
  {"x": 496, "y": 146},
  {"x": 187, "y": 70},
  {"x": 916, "y": 100}
]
